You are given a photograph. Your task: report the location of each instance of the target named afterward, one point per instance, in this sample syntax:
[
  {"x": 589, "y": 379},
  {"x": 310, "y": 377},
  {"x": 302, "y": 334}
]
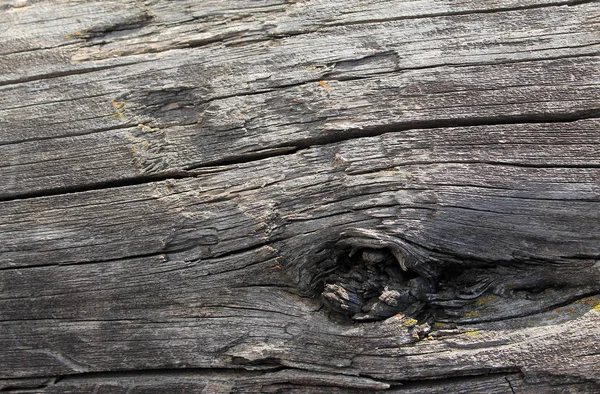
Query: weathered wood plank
[
  {"x": 290, "y": 196},
  {"x": 285, "y": 119},
  {"x": 375, "y": 29},
  {"x": 429, "y": 183},
  {"x": 128, "y": 28},
  {"x": 273, "y": 221},
  {"x": 187, "y": 119},
  {"x": 284, "y": 381},
  {"x": 239, "y": 330}
]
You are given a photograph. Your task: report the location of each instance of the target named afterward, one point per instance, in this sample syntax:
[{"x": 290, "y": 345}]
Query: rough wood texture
[{"x": 300, "y": 196}]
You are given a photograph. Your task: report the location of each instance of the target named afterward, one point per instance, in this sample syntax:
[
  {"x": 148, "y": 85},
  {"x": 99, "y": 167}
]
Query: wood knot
[
  {"x": 370, "y": 275},
  {"x": 374, "y": 277}
]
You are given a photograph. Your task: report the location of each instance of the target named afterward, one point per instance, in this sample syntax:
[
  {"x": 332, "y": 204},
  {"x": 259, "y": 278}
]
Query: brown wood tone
[{"x": 300, "y": 196}]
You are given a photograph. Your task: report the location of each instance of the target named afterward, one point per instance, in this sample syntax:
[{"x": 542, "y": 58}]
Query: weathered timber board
[
  {"x": 181, "y": 181},
  {"x": 268, "y": 219},
  {"x": 36, "y": 46},
  {"x": 188, "y": 108},
  {"x": 284, "y": 119},
  {"x": 434, "y": 179},
  {"x": 283, "y": 381}
]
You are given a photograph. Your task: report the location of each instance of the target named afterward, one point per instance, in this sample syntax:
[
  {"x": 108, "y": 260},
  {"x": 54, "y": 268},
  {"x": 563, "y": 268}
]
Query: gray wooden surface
[{"x": 180, "y": 180}]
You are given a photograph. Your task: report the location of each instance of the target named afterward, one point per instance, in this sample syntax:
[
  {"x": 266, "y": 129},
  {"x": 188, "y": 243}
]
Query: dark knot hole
[{"x": 367, "y": 284}]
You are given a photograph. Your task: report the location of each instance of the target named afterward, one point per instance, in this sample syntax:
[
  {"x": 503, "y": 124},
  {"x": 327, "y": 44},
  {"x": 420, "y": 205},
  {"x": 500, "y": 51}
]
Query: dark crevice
[
  {"x": 509, "y": 384},
  {"x": 246, "y": 249},
  {"x": 59, "y": 319},
  {"x": 499, "y": 62},
  {"x": 130, "y": 257},
  {"x": 52, "y": 102},
  {"x": 264, "y": 286},
  {"x": 528, "y": 165},
  {"x": 29, "y": 50},
  {"x": 484, "y": 162},
  {"x": 549, "y": 308},
  {"x": 141, "y": 373},
  {"x": 26, "y": 385},
  {"x": 66, "y": 73},
  {"x": 431, "y": 15},
  {"x": 472, "y": 376},
  {"x": 133, "y": 23},
  {"x": 284, "y": 150},
  {"x": 504, "y": 196},
  {"x": 262, "y": 311},
  {"x": 94, "y": 186},
  {"x": 191, "y": 44},
  {"x": 71, "y": 135},
  {"x": 471, "y": 12}
]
